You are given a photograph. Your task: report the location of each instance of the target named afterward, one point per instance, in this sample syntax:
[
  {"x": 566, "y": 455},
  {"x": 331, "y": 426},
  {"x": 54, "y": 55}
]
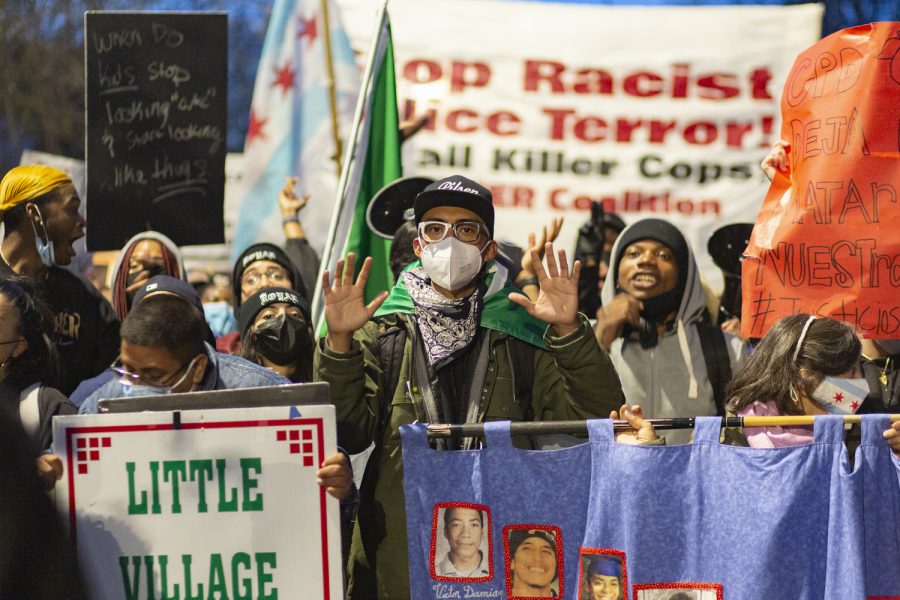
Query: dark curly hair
[{"x": 39, "y": 362}]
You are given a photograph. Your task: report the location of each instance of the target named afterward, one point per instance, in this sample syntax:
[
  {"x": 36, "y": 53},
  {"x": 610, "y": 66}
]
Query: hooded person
[
  {"x": 41, "y": 215},
  {"x": 145, "y": 255},
  {"x": 276, "y": 332},
  {"x": 454, "y": 341},
  {"x": 260, "y": 265},
  {"x": 655, "y": 324}
]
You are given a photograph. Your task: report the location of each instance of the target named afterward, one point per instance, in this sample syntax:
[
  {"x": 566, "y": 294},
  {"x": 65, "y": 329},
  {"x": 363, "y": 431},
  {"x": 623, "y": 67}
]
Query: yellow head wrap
[{"x": 25, "y": 183}]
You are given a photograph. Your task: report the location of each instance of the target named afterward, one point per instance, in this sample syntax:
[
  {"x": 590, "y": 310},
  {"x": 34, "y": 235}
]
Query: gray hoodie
[{"x": 670, "y": 379}]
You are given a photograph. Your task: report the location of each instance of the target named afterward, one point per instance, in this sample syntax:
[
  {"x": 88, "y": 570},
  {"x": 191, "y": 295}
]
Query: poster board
[
  {"x": 227, "y": 505},
  {"x": 156, "y": 102},
  {"x": 654, "y": 111},
  {"x": 827, "y": 239}
]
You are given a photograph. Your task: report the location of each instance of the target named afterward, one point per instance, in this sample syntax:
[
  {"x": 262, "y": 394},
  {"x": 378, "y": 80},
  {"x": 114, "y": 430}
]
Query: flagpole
[
  {"x": 444, "y": 430},
  {"x": 332, "y": 87},
  {"x": 328, "y": 250}
]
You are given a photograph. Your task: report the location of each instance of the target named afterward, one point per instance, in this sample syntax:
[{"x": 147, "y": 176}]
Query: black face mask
[
  {"x": 282, "y": 340},
  {"x": 151, "y": 270}
]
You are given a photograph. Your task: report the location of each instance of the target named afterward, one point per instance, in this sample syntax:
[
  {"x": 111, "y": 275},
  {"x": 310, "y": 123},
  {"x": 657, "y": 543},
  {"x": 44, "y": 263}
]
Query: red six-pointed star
[
  {"x": 309, "y": 29},
  {"x": 838, "y": 397}
]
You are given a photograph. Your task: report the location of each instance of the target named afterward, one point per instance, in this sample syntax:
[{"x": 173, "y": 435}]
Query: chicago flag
[{"x": 290, "y": 130}]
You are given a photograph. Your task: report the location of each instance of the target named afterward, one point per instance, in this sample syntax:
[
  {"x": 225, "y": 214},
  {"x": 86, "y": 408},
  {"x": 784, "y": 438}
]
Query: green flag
[
  {"x": 373, "y": 161},
  {"x": 380, "y": 167}
]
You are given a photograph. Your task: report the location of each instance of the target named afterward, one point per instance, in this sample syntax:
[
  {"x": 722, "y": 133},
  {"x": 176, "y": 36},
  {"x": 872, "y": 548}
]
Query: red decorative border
[
  {"x": 882, "y": 597},
  {"x": 680, "y": 585},
  {"x": 560, "y": 567},
  {"x": 490, "y": 545},
  {"x": 317, "y": 423},
  {"x": 620, "y": 554}
]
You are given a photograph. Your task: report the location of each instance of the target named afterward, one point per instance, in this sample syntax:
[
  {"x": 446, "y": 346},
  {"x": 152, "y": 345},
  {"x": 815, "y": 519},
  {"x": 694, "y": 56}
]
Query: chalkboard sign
[{"x": 156, "y": 123}]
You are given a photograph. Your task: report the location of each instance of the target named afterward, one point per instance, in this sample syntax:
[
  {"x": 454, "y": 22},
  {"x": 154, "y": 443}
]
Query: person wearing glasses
[
  {"x": 261, "y": 266},
  {"x": 163, "y": 352},
  {"x": 454, "y": 342}
]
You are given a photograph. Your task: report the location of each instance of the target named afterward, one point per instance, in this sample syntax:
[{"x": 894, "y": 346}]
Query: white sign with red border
[{"x": 218, "y": 504}]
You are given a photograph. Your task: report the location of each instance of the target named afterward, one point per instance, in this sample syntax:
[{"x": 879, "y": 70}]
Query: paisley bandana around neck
[{"x": 447, "y": 326}]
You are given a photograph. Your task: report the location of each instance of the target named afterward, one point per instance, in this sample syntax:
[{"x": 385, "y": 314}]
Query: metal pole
[
  {"x": 445, "y": 430},
  {"x": 332, "y": 87},
  {"x": 327, "y": 254}
]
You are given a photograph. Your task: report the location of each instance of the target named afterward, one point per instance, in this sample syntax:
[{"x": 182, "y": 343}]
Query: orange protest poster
[{"x": 827, "y": 239}]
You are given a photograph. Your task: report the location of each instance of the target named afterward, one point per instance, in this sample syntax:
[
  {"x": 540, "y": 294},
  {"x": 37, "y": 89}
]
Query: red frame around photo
[
  {"x": 680, "y": 585},
  {"x": 560, "y": 566},
  {"x": 435, "y": 526},
  {"x": 620, "y": 554}
]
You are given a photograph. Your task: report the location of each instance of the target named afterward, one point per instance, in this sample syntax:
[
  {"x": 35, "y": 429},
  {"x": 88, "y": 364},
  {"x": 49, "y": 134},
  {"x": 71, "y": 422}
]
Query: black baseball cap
[{"x": 458, "y": 191}]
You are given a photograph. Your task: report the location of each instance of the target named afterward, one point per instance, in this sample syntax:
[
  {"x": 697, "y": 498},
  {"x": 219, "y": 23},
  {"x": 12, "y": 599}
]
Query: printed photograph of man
[
  {"x": 462, "y": 553},
  {"x": 603, "y": 577},
  {"x": 679, "y": 592},
  {"x": 533, "y": 564}
]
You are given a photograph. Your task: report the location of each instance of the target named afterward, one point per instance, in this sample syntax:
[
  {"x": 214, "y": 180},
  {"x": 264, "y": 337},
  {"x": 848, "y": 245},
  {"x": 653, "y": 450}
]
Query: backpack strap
[
  {"x": 718, "y": 362},
  {"x": 30, "y": 411},
  {"x": 521, "y": 364}
]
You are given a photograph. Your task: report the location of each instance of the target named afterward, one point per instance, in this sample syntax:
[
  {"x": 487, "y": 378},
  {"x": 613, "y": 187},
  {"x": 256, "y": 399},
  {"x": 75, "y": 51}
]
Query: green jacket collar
[{"x": 498, "y": 314}]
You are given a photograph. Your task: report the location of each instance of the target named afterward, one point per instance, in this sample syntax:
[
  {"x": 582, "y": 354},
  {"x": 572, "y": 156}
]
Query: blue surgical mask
[
  {"x": 220, "y": 317},
  {"x": 44, "y": 249},
  {"x": 134, "y": 390}
]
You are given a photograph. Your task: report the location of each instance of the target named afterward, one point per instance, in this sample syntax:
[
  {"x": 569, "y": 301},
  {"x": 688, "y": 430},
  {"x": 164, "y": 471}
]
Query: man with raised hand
[{"x": 453, "y": 342}]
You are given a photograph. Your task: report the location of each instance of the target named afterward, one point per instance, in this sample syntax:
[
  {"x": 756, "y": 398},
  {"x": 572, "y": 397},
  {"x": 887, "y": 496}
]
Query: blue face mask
[
  {"x": 44, "y": 249},
  {"x": 220, "y": 317},
  {"x": 134, "y": 390}
]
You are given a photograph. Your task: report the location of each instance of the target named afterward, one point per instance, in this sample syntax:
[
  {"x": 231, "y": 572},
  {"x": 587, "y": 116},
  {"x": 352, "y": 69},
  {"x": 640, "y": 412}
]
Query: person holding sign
[
  {"x": 803, "y": 366},
  {"x": 41, "y": 221},
  {"x": 654, "y": 322},
  {"x": 163, "y": 351},
  {"x": 454, "y": 342}
]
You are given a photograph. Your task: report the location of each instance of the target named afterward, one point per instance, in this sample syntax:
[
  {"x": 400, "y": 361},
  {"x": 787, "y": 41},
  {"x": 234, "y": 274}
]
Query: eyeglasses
[
  {"x": 465, "y": 231},
  {"x": 272, "y": 275},
  {"x": 129, "y": 378},
  {"x": 11, "y": 341}
]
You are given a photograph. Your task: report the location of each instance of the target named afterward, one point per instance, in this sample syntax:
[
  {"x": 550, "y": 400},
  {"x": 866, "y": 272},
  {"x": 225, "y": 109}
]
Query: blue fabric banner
[{"x": 606, "y": 521}]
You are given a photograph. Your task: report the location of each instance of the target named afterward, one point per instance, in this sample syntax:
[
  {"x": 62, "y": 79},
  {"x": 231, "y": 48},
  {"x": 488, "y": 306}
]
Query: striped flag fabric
[
  {"x": 290, "y": 130},
  {"x": 372, "y": 162}
]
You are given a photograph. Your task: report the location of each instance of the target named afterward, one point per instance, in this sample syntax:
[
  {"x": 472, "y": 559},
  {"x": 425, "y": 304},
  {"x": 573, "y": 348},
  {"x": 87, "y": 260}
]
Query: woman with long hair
[
  {"x": 143, "y": 256},
  {"x": 276, "y": 332}
]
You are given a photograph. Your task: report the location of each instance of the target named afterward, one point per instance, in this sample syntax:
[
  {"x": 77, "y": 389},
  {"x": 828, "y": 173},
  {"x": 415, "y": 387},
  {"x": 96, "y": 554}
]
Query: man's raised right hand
[{"x": 345, "y": 307}]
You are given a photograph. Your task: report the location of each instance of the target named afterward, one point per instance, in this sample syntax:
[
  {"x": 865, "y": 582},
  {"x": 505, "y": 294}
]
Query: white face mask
[
  {"x": 840, "y": 396},
  {"x": 450, "y": 263}
]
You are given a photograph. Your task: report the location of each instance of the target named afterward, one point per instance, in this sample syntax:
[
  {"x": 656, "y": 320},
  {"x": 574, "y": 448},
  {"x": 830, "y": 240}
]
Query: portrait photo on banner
[
  {"x": 534, "y": 561},
  {"x": 461, "y": 548},
  {"x": 602, "y": 575},
  {"x": 677, "y": 591}
]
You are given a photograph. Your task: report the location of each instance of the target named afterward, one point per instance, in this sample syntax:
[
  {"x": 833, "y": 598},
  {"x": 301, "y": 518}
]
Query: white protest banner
[
  {"x": 654, "y": 111},
  {"x": 225, "y": 505}
]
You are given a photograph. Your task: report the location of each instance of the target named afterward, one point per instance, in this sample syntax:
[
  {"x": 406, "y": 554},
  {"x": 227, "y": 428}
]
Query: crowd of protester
[{"x": 473, "y": 330}]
